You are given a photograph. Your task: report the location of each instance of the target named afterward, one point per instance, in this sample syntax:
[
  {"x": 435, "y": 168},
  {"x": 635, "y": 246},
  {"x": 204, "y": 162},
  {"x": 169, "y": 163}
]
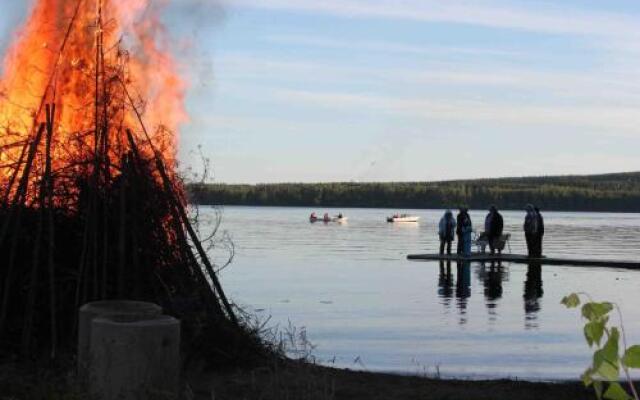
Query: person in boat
[
  {"x": 326, "y": 217},
  {"x": 531, "y": 230},
  {"x": 493, "y": 226},
  {"x": 540, "y": 233},
  {"x": 313, "y": 216},
  {"x": 446, "y": 231},
  {"x": 459, "y": 220},
  {"x": 340, "y": 216}
]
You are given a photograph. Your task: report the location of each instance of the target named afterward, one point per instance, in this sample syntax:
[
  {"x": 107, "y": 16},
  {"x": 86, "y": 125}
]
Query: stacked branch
[{"x": 101, "y": 214}]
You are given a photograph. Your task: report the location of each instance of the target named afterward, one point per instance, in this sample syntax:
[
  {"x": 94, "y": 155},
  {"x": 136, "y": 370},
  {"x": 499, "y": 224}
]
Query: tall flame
[{"x": 105, "y": 64}]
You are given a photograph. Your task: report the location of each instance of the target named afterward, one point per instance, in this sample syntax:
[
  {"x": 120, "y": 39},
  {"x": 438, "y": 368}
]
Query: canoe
[
  {"x": 403, "y": 218},
  {"x": 332, "y": 219}
]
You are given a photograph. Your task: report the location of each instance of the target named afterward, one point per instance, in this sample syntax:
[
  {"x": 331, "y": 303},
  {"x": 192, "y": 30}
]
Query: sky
[{"x": 405, "y": 90}]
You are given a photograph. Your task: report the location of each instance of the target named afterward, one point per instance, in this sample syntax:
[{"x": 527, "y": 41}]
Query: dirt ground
[
  {"x": 292, "y": 381},
  {"x": 320, "y": 383}
]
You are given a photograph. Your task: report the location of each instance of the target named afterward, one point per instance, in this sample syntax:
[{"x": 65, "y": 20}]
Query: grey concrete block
[
  {"x": 133, "y": 358},
  {"x": 106, "y": 308}
]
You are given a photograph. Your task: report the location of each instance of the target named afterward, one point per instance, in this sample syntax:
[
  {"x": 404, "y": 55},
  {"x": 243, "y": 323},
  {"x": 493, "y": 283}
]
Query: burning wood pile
[{"x": 91, "y": 206}]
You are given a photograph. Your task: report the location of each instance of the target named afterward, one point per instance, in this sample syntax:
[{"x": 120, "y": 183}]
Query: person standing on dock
[
  {"x": 531, "y": 230},
  {"x": 540, "y": 233},
  {"x": 446, "y": 231},
  {"x": 466, "y": 229},
  {"x": 459, "y": 220},
  {"x": 493, "y": 226}
]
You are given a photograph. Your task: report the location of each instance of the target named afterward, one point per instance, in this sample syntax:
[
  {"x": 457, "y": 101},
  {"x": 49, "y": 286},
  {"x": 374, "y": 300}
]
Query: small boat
[
  {"x": 326, "y": 219},
  {"x": 402, "y": 218}
]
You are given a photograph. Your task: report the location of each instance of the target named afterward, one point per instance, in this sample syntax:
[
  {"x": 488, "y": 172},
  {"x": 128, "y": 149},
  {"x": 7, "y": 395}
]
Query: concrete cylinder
[
  {"x": 89, "y": 311},
  {"x": 133, "y": 358}
]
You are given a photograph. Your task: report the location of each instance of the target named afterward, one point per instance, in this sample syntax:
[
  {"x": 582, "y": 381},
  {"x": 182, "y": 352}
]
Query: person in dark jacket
[
  {"x": 540, "y": 233},
  {"x": 531, "y": 229},
  {"x": 459, "y": 221},
  {"x": 493, "y": 226},
  {"x": 446, "y": 231}
]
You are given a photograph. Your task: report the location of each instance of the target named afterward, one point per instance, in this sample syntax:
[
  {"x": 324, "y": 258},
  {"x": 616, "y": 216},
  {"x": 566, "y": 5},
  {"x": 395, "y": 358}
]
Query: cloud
[
  {"x": 619, "y": 87},
  {"x": 551, "y": 19},
  {"x": 387, "y": 47},
  {"x": 574, "y": 163},
  {"x": 618, "y": 121}
]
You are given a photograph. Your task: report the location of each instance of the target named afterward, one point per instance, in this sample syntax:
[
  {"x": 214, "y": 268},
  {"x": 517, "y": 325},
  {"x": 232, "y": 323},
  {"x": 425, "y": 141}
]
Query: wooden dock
[{"x": 522, "y": 259}]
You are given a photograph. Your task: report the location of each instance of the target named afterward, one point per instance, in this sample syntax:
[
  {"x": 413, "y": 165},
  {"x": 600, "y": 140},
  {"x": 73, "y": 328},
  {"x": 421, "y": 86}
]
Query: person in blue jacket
[
  {"x": 446, "y": 231},
  {"x": 466, "y": 228}
]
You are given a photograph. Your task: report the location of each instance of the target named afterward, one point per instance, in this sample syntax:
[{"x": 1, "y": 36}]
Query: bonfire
[{"x": 91, "y": 205}]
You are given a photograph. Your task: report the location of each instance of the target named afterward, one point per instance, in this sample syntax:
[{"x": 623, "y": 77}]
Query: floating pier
[{"x": 522, "y": 259}]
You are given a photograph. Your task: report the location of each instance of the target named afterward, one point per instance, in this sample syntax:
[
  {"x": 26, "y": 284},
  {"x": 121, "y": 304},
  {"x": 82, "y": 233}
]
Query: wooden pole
[
  {"x": 176, "y": 220},
  {"x": 48, "y": 176},
  {"x": 16, "y": 209},
  {"x": 194, "y": 238}
]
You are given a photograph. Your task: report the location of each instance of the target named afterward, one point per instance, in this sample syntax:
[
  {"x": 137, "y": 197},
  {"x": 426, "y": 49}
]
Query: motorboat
[{"x": 403, "y": 218}]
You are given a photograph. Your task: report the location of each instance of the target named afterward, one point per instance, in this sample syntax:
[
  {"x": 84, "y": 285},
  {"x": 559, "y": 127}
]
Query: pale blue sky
[{"x": 356, "y": 90}]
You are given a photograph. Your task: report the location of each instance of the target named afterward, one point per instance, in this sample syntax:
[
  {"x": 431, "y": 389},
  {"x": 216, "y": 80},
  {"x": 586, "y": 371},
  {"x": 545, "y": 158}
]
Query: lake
[{"x": 365, "y": 306}]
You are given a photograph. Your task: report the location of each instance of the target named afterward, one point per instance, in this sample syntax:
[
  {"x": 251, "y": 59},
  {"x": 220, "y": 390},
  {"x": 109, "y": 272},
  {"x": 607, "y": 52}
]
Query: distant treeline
[{"x": 610, "y": 192}]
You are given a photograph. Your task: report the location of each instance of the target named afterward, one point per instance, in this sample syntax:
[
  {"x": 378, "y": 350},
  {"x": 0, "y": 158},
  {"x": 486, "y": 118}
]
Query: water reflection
[
  {"x": 492, "y": 280},
  {"x": 445, "y": 283},
  {"x": 532, "y": 294},
  {"x": 462, "y": 286},
  {"x": 492, "y": 276},
  {"x": 463, "y": 289}
]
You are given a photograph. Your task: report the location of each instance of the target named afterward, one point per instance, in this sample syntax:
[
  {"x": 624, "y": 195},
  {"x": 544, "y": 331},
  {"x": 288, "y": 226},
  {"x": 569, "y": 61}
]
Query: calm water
[{"x": 365, "y": 306}]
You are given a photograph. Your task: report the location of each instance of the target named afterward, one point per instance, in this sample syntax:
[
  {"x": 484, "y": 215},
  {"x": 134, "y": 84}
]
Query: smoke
[{"x": 12, "y": 16}]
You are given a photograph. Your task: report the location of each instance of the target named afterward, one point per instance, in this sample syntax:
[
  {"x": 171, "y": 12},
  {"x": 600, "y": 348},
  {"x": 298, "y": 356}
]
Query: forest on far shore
[{"x": 618, "y": 192}]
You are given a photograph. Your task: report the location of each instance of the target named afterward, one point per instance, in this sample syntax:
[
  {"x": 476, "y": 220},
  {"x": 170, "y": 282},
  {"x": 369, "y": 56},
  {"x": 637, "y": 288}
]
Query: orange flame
[{"x": 72, "y": 53}]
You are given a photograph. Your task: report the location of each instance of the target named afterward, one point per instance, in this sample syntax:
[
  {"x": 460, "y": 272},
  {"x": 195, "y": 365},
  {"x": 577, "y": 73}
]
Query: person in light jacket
[
  {"x": 531, "y": 229},
  {"x": 446, "y": 231}
]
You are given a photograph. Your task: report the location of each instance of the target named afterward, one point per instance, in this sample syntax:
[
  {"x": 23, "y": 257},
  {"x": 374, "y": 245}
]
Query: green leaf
[
  {"x": 571, "y": 301},
  {"x": 616, "y": 392},
  {"x": 597, "y": 386},
  {"x": 611, "y": 347},
  {"x": 594, "y": 311},
  {"x": 587, "y": 378},
  {"x": 608, "y": 371},
  {"x": 593, "y": 332},
  {"x": 605, "y": 360},
  {"x": 631, "y": 357}
]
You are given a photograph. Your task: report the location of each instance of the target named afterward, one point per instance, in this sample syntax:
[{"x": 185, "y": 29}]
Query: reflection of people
[
  {"x": 533, "y": 290},
  {"x": 446, "y": 231},
  {"x": 463, "y": 286},
  {"x": 445, "y": 281},
  {"x": 531, "y": 230},
  {"x": 493, "y": 284},
  {"x": 493, "y": 226}
]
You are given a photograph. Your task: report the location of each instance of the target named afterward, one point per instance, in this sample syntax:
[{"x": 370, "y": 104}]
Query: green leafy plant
[{"x": 609, "y": 359}]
